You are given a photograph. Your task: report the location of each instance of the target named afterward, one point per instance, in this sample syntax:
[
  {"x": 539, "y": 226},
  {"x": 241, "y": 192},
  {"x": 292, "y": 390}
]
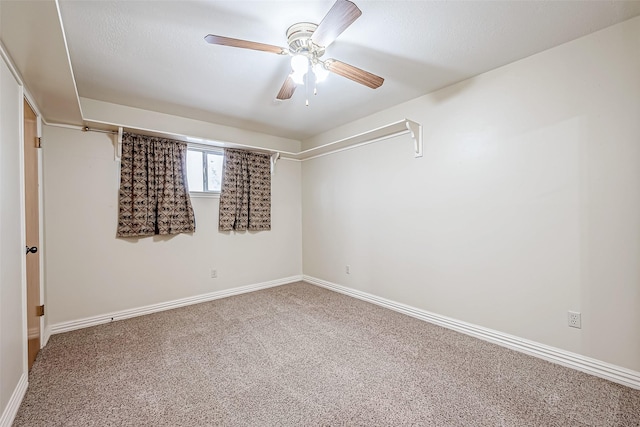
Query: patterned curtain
[
  {"x": 245, "y": 198},
  {"x": 154, "y": 198}
]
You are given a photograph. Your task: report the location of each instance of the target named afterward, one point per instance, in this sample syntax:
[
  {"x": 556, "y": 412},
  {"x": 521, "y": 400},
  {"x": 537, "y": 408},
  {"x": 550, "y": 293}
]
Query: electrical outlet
[
  {"x": 575, "y": 320},
  {"x": 347, "y": 269},
  {"x": 214, "y": 273}
]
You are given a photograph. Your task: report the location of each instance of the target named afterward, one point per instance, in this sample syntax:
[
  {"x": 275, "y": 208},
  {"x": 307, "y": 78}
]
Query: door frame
[{"x": 44, "y": 336}]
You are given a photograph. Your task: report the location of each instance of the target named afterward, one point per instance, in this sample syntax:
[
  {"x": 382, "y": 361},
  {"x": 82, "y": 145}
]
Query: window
[{"x": 204, "y": 170}]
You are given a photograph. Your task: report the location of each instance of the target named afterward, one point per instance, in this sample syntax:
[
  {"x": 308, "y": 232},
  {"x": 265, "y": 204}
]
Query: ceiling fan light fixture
[{"x": 307, "y": 43}]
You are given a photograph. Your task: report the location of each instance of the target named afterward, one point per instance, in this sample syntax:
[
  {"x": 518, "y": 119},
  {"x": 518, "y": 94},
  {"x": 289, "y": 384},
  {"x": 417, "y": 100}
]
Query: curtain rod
[
  {"x": 80, "y": 128},
  {"x": 118, "y": 146},
  {"x": 275, "y": 155},
  {"x": 88, "y": 129},
  {"x": 167, "y": 135}
]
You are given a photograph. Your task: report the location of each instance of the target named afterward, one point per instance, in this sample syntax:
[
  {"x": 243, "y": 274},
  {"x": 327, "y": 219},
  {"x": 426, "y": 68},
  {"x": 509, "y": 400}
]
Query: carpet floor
[{"x": 300, "y": 355}]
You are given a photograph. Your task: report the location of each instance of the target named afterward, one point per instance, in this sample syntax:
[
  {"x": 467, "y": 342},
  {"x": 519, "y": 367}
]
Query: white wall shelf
[
  {"x": 404, "y": 126},
  {"x": 378, "y": 134}
]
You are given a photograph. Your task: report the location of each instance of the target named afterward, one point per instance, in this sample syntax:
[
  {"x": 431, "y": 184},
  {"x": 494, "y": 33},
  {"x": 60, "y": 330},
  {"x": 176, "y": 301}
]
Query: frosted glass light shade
[
  {"x": 298, "y": 77},
  {"x": 299, "y": 64},
  {"x": 320, "y": 72}
]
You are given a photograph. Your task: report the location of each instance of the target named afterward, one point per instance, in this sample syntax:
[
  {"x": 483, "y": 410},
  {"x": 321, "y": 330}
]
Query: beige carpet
[{"x": 299, "y": 355}]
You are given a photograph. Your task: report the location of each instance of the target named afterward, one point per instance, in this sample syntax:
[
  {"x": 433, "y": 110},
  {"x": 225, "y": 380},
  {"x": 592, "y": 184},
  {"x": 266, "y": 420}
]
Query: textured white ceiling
[{"x": 152, "y": 55}]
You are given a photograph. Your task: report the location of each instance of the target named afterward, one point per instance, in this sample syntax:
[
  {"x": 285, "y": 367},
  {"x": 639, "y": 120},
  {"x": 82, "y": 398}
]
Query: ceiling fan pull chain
[{"x": 307, "y": 86}]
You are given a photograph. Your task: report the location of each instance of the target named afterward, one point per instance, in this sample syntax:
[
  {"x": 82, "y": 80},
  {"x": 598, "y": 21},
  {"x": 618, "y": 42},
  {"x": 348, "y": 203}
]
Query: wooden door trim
[{"x": 32, "y": 229}]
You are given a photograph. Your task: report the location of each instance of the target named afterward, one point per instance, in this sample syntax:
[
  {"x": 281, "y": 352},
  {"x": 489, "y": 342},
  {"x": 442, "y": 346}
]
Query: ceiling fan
[{"x": 307, "y": 43}]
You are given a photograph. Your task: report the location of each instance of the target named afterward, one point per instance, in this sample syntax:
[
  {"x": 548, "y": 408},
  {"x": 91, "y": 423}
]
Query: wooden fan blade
[
  {"x": 354, "y": 73},
  {"x": 287, "y": 89},
  {"x": 342, "y": 14},
  {"x": 244, "y": 44}
]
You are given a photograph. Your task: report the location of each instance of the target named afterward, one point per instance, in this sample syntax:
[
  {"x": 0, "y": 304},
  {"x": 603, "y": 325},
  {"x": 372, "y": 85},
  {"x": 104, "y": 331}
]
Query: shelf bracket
[
  {"x": 274, "y": 158},
  {"x": 415, "y": 129},
  {"x": 118, "y": 153}
]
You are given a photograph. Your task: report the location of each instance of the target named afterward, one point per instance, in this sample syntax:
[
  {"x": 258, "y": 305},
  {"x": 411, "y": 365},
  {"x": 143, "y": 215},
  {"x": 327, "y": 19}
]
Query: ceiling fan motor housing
[{"x": 299, "y": 40}]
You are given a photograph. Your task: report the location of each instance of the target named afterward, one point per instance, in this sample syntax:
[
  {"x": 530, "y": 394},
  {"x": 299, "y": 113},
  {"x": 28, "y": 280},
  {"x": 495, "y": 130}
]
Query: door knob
[{"x": 32, "y": 249}]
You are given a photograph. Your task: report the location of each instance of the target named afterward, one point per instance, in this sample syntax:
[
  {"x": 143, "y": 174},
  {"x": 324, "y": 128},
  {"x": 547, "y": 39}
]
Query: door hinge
[
  {"x": 40, "y": 310},
  {"x": 38, "y": 142}
]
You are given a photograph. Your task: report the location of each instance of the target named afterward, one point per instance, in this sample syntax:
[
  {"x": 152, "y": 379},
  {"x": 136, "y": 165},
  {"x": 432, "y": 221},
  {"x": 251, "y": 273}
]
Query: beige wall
[
  {"x": 89, "y": 272},
  {"x": 525, "y": 205}
]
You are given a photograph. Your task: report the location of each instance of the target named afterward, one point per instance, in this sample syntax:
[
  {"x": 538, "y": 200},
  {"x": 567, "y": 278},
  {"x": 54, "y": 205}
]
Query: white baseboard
[
  {"x": 154, "y": 308},
  {"x": 576, "y": 361},
  {"x": 11, "y": 410}
]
